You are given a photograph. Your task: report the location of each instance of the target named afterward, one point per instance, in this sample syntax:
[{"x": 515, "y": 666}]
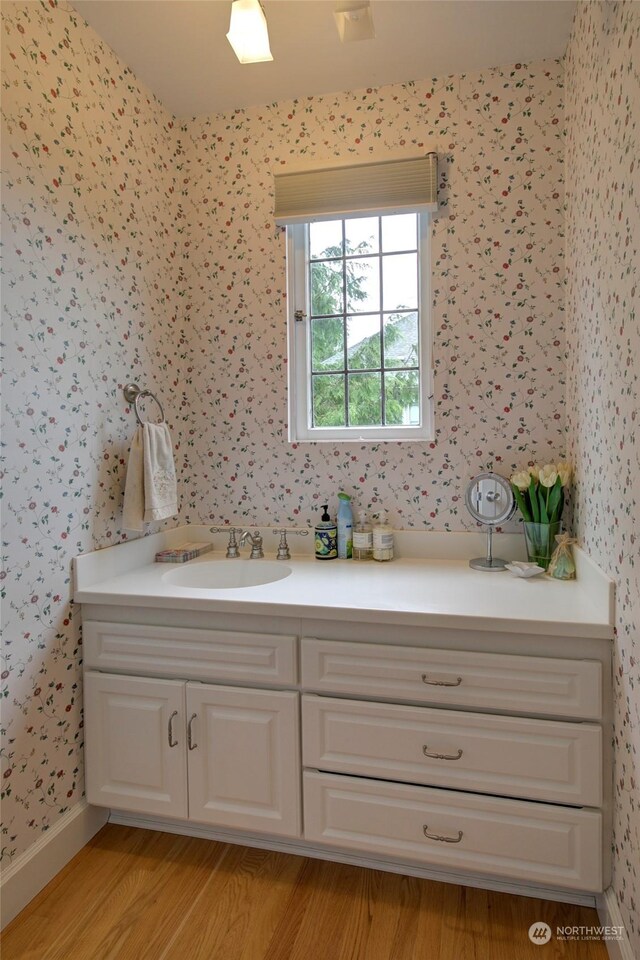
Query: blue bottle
[{"x": 345, "y": 527}]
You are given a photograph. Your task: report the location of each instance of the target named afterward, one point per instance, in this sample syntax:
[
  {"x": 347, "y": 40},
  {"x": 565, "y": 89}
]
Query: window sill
[{"x": 419, "y": 435}]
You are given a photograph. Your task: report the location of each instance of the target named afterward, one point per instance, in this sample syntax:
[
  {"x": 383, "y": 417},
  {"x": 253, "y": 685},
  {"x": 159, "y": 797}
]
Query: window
[{"x": 359, "y": 329}]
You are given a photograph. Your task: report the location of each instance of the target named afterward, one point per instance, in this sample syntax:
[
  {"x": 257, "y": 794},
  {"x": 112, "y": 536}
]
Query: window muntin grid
[{"x": 343, "y": 383}]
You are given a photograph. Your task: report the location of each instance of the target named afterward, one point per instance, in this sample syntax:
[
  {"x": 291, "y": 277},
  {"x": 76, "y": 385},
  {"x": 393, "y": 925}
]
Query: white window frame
[{"x": 299, "y": 346}]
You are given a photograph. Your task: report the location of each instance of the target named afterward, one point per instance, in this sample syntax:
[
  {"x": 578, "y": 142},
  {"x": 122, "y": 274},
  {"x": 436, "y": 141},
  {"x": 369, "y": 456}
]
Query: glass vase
[{"x": 540, "y": 539}]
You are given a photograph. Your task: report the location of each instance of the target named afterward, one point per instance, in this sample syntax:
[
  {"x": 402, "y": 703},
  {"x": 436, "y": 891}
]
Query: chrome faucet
[{"x": 255, "y": 539}]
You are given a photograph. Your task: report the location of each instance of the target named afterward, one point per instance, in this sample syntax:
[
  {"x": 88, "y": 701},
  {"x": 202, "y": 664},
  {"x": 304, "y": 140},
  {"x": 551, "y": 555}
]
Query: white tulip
[
  {"x": 564, "y": 472},
  {"x": 521, "y": 480},
  {"x": 548, "y": 475}
]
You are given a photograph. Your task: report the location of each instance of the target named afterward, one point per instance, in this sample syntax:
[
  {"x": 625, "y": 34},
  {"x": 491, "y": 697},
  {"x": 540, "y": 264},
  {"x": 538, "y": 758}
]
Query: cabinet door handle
[
  {"x": 172, "y": 742},
  {"x": 441, "y": 756},
  {"x": 441, "y": 683},
  {"x": 190, "y": 742},
  {"x": 435, "y": 836}
]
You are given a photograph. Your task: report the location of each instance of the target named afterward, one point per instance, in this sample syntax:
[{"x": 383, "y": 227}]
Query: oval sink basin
[{"x": 227, "y": 574}]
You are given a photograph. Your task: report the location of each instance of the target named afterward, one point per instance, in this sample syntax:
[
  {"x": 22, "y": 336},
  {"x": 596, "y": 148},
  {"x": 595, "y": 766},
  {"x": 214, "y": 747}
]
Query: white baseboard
[
  {"x": 32, "y": 870},
  {"x": 302, "y": 848},
  {"x": 610, "y": 916}
]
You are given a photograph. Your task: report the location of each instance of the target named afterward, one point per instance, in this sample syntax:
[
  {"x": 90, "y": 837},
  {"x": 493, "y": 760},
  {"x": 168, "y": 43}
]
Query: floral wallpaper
[
  {"x": 498, "y": 296},
  {"x": 88, "y": 290},
  {"x": 603, "y": 396}
]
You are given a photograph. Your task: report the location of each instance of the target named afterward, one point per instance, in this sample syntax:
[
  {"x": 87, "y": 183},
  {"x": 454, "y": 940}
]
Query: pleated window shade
[{"x": 367, "y": 189}]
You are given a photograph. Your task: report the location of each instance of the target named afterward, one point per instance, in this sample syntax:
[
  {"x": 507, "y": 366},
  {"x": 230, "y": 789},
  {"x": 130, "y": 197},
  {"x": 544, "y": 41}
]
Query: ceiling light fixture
[
  {"x": 248, "y": 32},
  {"x": 354, "y": 21}
]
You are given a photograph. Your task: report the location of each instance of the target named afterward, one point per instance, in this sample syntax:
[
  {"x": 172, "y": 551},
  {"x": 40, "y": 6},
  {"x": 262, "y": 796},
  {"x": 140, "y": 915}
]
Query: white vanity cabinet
[
  {"x": 451, "y": 753},
  {"x": 226, "y": 756}
]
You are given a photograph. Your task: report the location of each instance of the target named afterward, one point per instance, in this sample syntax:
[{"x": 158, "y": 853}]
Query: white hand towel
[
  {"x": 160, "y": 487},
  {"x": 133, "y": 513},
  {"x": 150, "y": 491}
]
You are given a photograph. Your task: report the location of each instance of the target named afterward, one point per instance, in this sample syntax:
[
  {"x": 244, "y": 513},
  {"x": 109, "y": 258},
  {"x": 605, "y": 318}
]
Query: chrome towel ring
[{"x": 133, "y": 393}]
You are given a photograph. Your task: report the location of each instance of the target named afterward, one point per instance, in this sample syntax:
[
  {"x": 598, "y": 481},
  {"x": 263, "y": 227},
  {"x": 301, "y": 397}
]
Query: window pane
[
  {"x": 363, "y": 285},
  {"x": 325, "y": 239},
  {"x": 400, "y": 232},
  {"x": 359, "y": 352},
  {"x": 363, "y": 342},
  {"x": 362, "y": 235},
  {"x": 402, "y": 398},
  {"x": 400, "y": 281},
  {"x": 326, "y": 288},
  {"x": 328, "y": 400},
  {"x": 365, "y": 399},
  {"x": 327, "y": 344},
  {"x": 401, "y": 340}
]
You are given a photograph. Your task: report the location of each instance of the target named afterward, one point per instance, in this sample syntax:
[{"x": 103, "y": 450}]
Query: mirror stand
[
  {"x": 489, "y": 562},
  {"x": 490, "y": 502}
]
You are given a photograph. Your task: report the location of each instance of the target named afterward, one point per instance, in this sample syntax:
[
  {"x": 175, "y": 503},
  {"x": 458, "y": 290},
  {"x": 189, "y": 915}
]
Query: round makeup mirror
[{"x": 490, "y": 501}]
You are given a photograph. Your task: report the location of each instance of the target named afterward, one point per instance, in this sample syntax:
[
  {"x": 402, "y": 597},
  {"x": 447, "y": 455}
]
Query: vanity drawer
[
  {"x": 510, "y": 756},
  {"x": 190, "y": 653},
  {"x": 521, "y": 684},
  {"x": 535, "y": 842}
]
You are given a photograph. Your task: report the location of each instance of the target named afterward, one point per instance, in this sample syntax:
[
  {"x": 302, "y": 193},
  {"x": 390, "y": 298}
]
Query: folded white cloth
[
  {"x": 150, "y": 491},
  {"x": 160, "y": 488}
]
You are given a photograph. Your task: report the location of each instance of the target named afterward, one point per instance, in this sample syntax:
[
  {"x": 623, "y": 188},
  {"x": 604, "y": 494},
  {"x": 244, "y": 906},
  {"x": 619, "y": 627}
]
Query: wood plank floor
[{"x": 140, "y": 895}]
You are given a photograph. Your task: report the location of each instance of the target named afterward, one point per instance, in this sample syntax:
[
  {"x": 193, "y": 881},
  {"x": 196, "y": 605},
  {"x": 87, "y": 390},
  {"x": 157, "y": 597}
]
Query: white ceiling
[{"x": 179, "y": 49}]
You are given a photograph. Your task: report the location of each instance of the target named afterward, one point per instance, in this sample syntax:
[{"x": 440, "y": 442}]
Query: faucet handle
[
  {"x": 283, "y": 547},
  {"x": 232, "y": 546}
]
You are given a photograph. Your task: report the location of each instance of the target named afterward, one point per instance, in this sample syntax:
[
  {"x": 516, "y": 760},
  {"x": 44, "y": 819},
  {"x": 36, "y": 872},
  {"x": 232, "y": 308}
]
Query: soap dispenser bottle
[
  {"x": 382, "y": 539},
  {"x": 362, "y": 538},
  {"x": 326, "y": 536},
  {"x": 345, "y": 527}
]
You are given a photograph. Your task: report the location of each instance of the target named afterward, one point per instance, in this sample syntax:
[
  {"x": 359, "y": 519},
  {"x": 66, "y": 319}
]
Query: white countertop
[{"x": 412, "y": 592}]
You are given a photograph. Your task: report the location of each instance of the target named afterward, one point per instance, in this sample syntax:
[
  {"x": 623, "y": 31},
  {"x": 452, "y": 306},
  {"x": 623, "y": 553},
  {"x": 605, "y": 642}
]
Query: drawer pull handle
[
  {"x": 192, "y": 745},
  {"x": 441, "y": 683},
  {"x": 172, "y": 742},
  {"x": 434, "y": 836},
  {"x": 441, "y": 756}
]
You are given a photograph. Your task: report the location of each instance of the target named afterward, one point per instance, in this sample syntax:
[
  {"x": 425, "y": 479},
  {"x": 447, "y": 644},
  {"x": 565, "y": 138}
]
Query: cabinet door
[
  {"x": 135, "y": 744},
  {"x": 244, "y": 758}
]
